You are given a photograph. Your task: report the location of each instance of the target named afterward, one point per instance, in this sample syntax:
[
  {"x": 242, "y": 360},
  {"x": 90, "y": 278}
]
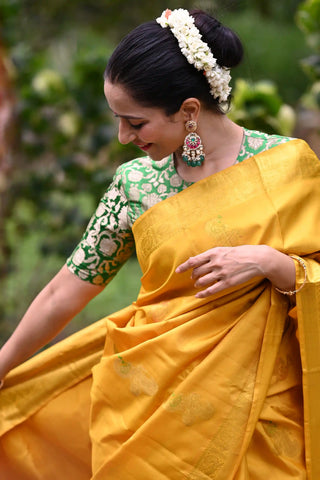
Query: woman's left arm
[{"x": 224, "y": 267}]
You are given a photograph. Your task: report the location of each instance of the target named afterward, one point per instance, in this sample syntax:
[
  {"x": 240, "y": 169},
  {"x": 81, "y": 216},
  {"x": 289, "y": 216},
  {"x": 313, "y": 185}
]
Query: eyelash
[{"x": 136, "y": 127}]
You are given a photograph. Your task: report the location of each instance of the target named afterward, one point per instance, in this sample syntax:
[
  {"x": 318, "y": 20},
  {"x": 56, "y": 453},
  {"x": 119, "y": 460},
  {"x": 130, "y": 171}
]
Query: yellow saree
[{"x": 189, "y": 388}]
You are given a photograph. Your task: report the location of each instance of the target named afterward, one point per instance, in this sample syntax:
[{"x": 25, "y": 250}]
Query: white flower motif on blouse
[
  {"x": 113, "y": 193},
  {"x": 150, "y": 199},
  {"x": 108, "y": 246},
  {"x": 135, "y": 176},
  {"x": 92, "y": 238},
  {"x": 162, "y": 188},
  {"x": 123, "y": 218},
  {"x": 134, "y": 192},
  {"x": 79, "y": 256},
  {"x": 147, "y": 187},
  {"x": 100, "y": 210},
  {"x": 112, "y": 222},
  {"x": 175, "y": 181},
  {"x": 255, "y": 143}
]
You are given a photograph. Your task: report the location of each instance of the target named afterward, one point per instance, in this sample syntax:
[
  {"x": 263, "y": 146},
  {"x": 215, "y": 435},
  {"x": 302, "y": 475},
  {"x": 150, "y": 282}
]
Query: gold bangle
[
  {"x": 304, "y": 266},
  {"x": 1, "y": 383}
]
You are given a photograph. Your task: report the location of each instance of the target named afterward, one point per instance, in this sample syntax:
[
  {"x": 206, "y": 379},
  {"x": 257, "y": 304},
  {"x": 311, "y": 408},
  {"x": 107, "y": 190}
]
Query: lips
[{"x": 144, "y": 146}]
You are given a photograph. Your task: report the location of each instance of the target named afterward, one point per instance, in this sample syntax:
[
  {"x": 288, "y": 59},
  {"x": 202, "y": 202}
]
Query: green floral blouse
[{"x": 137, "y": 185}]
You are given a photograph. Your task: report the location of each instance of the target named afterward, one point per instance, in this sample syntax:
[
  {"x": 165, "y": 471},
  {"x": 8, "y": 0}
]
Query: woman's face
[{"x": 146, "y": 127}]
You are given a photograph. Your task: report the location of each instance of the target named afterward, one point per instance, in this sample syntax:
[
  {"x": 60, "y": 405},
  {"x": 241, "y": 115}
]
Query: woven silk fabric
[
  {"x": 137, "y": 185},
  {"x": 184, "y": 387}
]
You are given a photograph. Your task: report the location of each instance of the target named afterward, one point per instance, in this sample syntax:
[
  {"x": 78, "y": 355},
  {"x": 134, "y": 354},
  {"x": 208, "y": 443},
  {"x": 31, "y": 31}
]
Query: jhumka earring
[{"x": 193, "y": 154}]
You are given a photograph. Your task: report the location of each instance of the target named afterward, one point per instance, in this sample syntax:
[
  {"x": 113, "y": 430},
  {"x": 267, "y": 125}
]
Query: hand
[{"x": 223, "y": 267}]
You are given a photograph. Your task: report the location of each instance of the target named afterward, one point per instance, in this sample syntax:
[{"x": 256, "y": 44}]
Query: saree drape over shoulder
[{"x": 223, "y": 388}]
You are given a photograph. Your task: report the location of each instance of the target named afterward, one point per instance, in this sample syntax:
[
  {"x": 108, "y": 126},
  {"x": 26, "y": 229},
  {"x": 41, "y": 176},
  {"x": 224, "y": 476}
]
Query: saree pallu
[{"x": 189, "y": 388}]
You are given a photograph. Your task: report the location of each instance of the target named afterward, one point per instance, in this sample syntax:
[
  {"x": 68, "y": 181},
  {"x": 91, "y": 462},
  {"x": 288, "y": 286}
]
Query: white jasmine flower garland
[{"x": 196, "y": 51}]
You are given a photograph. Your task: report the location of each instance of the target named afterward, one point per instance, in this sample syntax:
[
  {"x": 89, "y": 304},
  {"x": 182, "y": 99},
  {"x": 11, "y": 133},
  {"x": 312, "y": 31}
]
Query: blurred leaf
[
  {"x": 311, "y": 66},
  {"x": 258, "y": 106},
  {"x": 308, "y": 17}
]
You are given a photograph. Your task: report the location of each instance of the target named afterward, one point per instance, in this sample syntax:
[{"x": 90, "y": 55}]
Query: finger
[
  {"x": 223, "y": 283},
  {"x": 211, "y": 290},
  {"x": 192, "y": 262},
  {"x": 205, "y": 269},
  {"x": 208, "y": 279}
]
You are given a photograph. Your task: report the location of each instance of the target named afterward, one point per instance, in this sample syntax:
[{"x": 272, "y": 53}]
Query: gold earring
[{"x": 193, "y": 154}]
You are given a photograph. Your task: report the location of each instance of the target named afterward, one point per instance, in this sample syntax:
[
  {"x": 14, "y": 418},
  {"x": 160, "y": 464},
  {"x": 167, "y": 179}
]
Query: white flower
[{"x": 197, "y": 51}]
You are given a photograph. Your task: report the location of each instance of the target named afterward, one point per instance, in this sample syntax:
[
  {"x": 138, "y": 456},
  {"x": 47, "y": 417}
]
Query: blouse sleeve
[{"x": 108, "y": 240}]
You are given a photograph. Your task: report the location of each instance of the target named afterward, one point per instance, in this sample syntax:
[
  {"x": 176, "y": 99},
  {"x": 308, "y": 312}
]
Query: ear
[{"x": 190, "y": 109}]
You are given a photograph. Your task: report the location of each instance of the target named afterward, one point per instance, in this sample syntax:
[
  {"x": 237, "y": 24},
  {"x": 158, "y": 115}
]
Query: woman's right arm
[{"x": 63, "y": 297}]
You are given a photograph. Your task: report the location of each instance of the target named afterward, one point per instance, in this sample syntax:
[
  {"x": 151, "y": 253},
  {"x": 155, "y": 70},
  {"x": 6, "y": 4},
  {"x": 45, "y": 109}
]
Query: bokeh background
[{"x": 58, "y": 145}]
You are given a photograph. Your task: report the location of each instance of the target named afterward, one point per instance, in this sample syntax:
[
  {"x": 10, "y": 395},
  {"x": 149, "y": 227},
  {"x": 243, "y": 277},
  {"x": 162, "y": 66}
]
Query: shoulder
[
  {"x": 141, "y": 164},
  {"x": 126, "y": 173},
  {"x": 258, "y": 139},
  {"x": 292, "y": 161},
  {"x": 137, "y": 172},
  {"x": 255, "y": 142},
  {"x": 296, "y": 146}
]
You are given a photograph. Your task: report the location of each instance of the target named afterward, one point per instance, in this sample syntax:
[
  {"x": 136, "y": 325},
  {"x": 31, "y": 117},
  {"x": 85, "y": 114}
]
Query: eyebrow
[{"x": 128, "y": 117}]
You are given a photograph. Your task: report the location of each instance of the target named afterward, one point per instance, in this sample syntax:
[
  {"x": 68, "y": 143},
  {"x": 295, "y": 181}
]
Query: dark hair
[{"x": 148, "y": 63}]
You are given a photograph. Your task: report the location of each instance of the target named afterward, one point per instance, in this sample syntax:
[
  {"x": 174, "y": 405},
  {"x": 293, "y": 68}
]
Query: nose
[{"x": 125, "y": 132}]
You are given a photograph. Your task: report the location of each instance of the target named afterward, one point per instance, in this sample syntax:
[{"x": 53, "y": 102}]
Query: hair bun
[{"x": 224, "y": 43}]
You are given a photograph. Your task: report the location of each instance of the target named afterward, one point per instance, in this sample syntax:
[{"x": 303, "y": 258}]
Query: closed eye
[{"x": 136, "y": 127}]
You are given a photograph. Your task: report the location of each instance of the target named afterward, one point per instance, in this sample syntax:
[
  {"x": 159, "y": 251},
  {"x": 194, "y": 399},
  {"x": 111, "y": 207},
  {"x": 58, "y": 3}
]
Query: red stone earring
[{"x": 193, "y": 154}]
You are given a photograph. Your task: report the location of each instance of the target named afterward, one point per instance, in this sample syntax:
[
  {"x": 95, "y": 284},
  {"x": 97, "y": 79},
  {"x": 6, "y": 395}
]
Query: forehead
[
  {"x": 119, "y": 100},
  {"x": 124, "y": 105},
  {"x": 114, "y": 91}
]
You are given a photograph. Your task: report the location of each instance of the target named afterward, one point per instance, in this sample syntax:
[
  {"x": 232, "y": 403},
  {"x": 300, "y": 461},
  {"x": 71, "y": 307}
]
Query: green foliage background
[{"x": 66, "y": 148}]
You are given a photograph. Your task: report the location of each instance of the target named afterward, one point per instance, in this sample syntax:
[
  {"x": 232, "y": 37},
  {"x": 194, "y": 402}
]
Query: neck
[{"x": 222, "y": 140}]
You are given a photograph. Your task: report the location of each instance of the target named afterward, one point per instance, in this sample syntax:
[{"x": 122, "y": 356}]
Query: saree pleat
[
  {"x": 184, "y": 387},
  {"x": 45, "y": 409}
]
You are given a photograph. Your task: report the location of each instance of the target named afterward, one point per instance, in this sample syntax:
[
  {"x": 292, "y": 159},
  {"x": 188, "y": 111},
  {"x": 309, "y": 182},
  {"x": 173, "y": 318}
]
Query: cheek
[
  {"x": 163, "y": 132},
  {"x": 178, "y": 135},
  {"x": 147, "y": 133}
]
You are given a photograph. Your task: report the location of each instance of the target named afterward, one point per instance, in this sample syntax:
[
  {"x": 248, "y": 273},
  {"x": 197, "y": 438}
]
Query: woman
[{"x": 201, "y": 377}]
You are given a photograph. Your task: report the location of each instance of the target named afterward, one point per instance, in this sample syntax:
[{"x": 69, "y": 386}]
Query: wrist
[
  {"x": 6, "y": 363},
  {"x": 301, "y": 265},
  {"x": 278, "y": 268},
  {"x": 268, "y": 261}
]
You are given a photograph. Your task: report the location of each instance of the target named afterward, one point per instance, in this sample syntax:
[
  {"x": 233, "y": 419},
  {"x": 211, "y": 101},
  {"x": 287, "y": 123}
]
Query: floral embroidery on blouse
[{"x": 137, "y": 185}]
